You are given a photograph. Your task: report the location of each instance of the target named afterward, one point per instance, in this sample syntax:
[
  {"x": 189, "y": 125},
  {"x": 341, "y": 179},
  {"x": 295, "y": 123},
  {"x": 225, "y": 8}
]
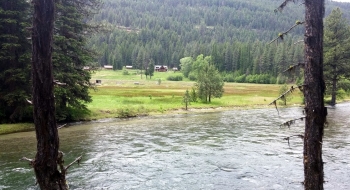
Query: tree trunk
[
  {"x": 334, "y": 91},
  {"x": 314, "y": 88},
  {"x": 45, "y": 163}
]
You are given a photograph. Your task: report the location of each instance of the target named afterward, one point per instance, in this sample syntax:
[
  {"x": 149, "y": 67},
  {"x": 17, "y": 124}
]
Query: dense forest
[{"x": 235, "y": 33}]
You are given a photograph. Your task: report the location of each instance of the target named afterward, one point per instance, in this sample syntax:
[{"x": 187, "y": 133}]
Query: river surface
[{"x": 239, "y": 149}]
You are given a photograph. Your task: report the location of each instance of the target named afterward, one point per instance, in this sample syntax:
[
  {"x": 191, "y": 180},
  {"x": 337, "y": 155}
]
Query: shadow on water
[{"x": 239, "y": 149}]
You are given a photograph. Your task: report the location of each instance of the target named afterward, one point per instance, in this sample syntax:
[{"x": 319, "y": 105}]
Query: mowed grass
[{"x": 129, "y": 93}]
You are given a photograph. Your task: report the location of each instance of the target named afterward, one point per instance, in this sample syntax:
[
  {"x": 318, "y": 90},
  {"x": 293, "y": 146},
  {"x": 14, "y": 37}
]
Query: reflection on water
[{"x": 241, "y": 149}]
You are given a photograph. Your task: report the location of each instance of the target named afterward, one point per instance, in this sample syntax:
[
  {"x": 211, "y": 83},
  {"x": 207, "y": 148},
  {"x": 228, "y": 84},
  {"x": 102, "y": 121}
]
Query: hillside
[{"x": 233, "y": 32}]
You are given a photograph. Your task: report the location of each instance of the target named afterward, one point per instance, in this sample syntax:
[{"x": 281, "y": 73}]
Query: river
[{"x": 238, "y": 149}]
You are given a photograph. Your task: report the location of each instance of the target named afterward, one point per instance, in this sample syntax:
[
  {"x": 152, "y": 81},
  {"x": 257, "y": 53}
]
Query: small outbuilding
[
  {"x": 109, "y": 67},
  {"x": 161, "y": 68}
]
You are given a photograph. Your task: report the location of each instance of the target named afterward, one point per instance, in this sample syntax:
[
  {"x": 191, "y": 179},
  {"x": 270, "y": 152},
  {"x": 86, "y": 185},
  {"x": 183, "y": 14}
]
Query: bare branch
[
  {"x": 291, "y": 122},
  {"x": 59, "y": 83},
  {"x": 281, "y": 35},
  {"x": 281, "y": 7},
  {"x": 291, "y": 90},
  {"x": 30, "y": 102},
  {"x": 61, "y": 126},
  {"x": 292, "y": 67},
  {"x": 288, "y": 138},
  {"x": 77, "y": 160},
  {"x": 31, "y": 161}
]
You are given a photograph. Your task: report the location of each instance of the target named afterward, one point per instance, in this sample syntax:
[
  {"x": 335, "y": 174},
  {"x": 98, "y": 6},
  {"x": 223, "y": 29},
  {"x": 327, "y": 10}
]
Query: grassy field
[
  {"x": 121, "y": 95},
  {"x": 129, "y": 95}
]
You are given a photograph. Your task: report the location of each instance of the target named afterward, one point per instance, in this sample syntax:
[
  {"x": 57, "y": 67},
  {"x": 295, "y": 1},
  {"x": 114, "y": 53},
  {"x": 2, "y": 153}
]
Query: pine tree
[
  {"x": 336, "y": 51},
  {"x": 69, "y": 58},
  {"x": 14, "y": 61}
]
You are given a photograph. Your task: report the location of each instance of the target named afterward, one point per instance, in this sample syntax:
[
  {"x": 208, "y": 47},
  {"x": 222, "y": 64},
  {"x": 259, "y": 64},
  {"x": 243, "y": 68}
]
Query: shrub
[
  {"x": 126, "y": 112},
  {"x": 177, "y": 77}
]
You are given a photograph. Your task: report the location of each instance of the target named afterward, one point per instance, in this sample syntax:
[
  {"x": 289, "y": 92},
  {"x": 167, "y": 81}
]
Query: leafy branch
[{"x": 281, "y": 35}]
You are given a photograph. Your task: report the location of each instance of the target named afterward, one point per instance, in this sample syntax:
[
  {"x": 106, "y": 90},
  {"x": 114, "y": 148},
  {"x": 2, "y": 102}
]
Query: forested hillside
[{"x": 234, "y": 32}]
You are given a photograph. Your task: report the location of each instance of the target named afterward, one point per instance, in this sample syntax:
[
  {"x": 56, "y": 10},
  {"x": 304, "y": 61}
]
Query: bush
[
  {"x": 229, "y": 78},
  {"x": 125, "y": 72},
  {"x": 344, "y": 84},
  {"x": 240, "y": 79},
  {"x": 192, "y": 77},
  {"x": 175, "y": 77},
  {"x": 341, "y": 94},
  {"x": 126, "y": 112}
]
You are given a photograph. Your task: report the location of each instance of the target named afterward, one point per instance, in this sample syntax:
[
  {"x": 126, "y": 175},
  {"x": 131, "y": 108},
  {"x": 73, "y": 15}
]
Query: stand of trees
[
  {"x": 15, "y": 57},
  {"x": 233, "y": 33},
  {"x": 70, "y": 55}
]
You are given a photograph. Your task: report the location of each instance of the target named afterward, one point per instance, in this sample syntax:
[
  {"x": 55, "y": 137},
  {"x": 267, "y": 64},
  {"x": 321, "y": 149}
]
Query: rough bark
[
  {"x": 314, "y": 93},
  {"x": 45, "y": 163}
]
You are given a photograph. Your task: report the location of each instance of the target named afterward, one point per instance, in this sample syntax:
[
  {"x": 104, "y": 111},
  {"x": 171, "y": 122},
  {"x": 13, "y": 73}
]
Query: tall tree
[
  {"x": 45, "y": 163},
  {"x": 14, "y": 61},
  {"x": 314, "y": 88},
  {"x": 336, "y": 50},
  {"x": 71, "y": 55},
  {"x": 209, "y": 81}
]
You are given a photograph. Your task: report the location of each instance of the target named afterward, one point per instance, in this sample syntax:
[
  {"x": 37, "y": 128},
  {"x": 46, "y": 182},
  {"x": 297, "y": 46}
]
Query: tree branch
[
  {"x": 281, "y": 7},
  {"x": 31, "y": 161},
  {"x": 292, "y": 67},
  {"x": 288, "y": 138},
  {"x": 281, "y": 35},
  {"x": 291, "y": 122},
  {"x": 61, "y": 126},
  {"x": 291, "y": 90},
  {"x": 59, "y": 83}
]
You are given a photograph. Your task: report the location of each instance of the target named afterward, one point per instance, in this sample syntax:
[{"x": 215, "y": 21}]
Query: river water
[{"x": 239, "y": 149}]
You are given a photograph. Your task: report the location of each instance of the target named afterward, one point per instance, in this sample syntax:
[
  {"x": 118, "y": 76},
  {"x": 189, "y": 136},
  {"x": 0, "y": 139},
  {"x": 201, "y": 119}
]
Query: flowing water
[{"x": 240, "y": 149}]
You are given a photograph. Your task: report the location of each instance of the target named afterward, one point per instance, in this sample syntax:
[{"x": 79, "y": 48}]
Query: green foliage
[
  {"x": 341, "y": 94},
  {"x": 125, "y": 71},
  {"x": 344, "y": 84},
  {"x": 70, "y": 56},
  {"x": 287, "y": 97},
  {"x": 209, "y": 82},
  {"x": 126, "y": 112},
  {"x": 186, "y": 99},
  {"x": 193, "y": 95},
  {"x": 186, "y": 65},
  {"x": 192, "y": 76},
  {"x": 336, "y": 51},
  {"x": 177, "y": 77},
  {"x": 15, "y": 49}
]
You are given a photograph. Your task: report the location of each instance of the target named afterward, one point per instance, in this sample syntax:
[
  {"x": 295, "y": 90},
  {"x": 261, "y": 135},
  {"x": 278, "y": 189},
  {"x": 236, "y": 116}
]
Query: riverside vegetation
[{"x": 127, "y": 95}]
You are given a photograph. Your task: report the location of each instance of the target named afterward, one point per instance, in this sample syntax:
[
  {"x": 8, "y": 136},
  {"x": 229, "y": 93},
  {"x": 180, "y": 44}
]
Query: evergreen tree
[
  {"x": 14, "y": 61},
  {"x": 336, "y": 51},
  {"x": 70, "y": 56}
]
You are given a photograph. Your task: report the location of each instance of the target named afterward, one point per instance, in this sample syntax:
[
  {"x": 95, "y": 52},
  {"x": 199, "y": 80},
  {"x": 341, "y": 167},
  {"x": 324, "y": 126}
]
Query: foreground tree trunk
[
  {"x": 314, "y": 88},
  {"x": 45, "y": 163}
]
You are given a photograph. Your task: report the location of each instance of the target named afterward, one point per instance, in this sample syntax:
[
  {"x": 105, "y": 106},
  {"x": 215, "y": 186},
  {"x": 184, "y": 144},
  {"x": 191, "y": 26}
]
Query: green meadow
[{"x": 121, "y": 95}]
